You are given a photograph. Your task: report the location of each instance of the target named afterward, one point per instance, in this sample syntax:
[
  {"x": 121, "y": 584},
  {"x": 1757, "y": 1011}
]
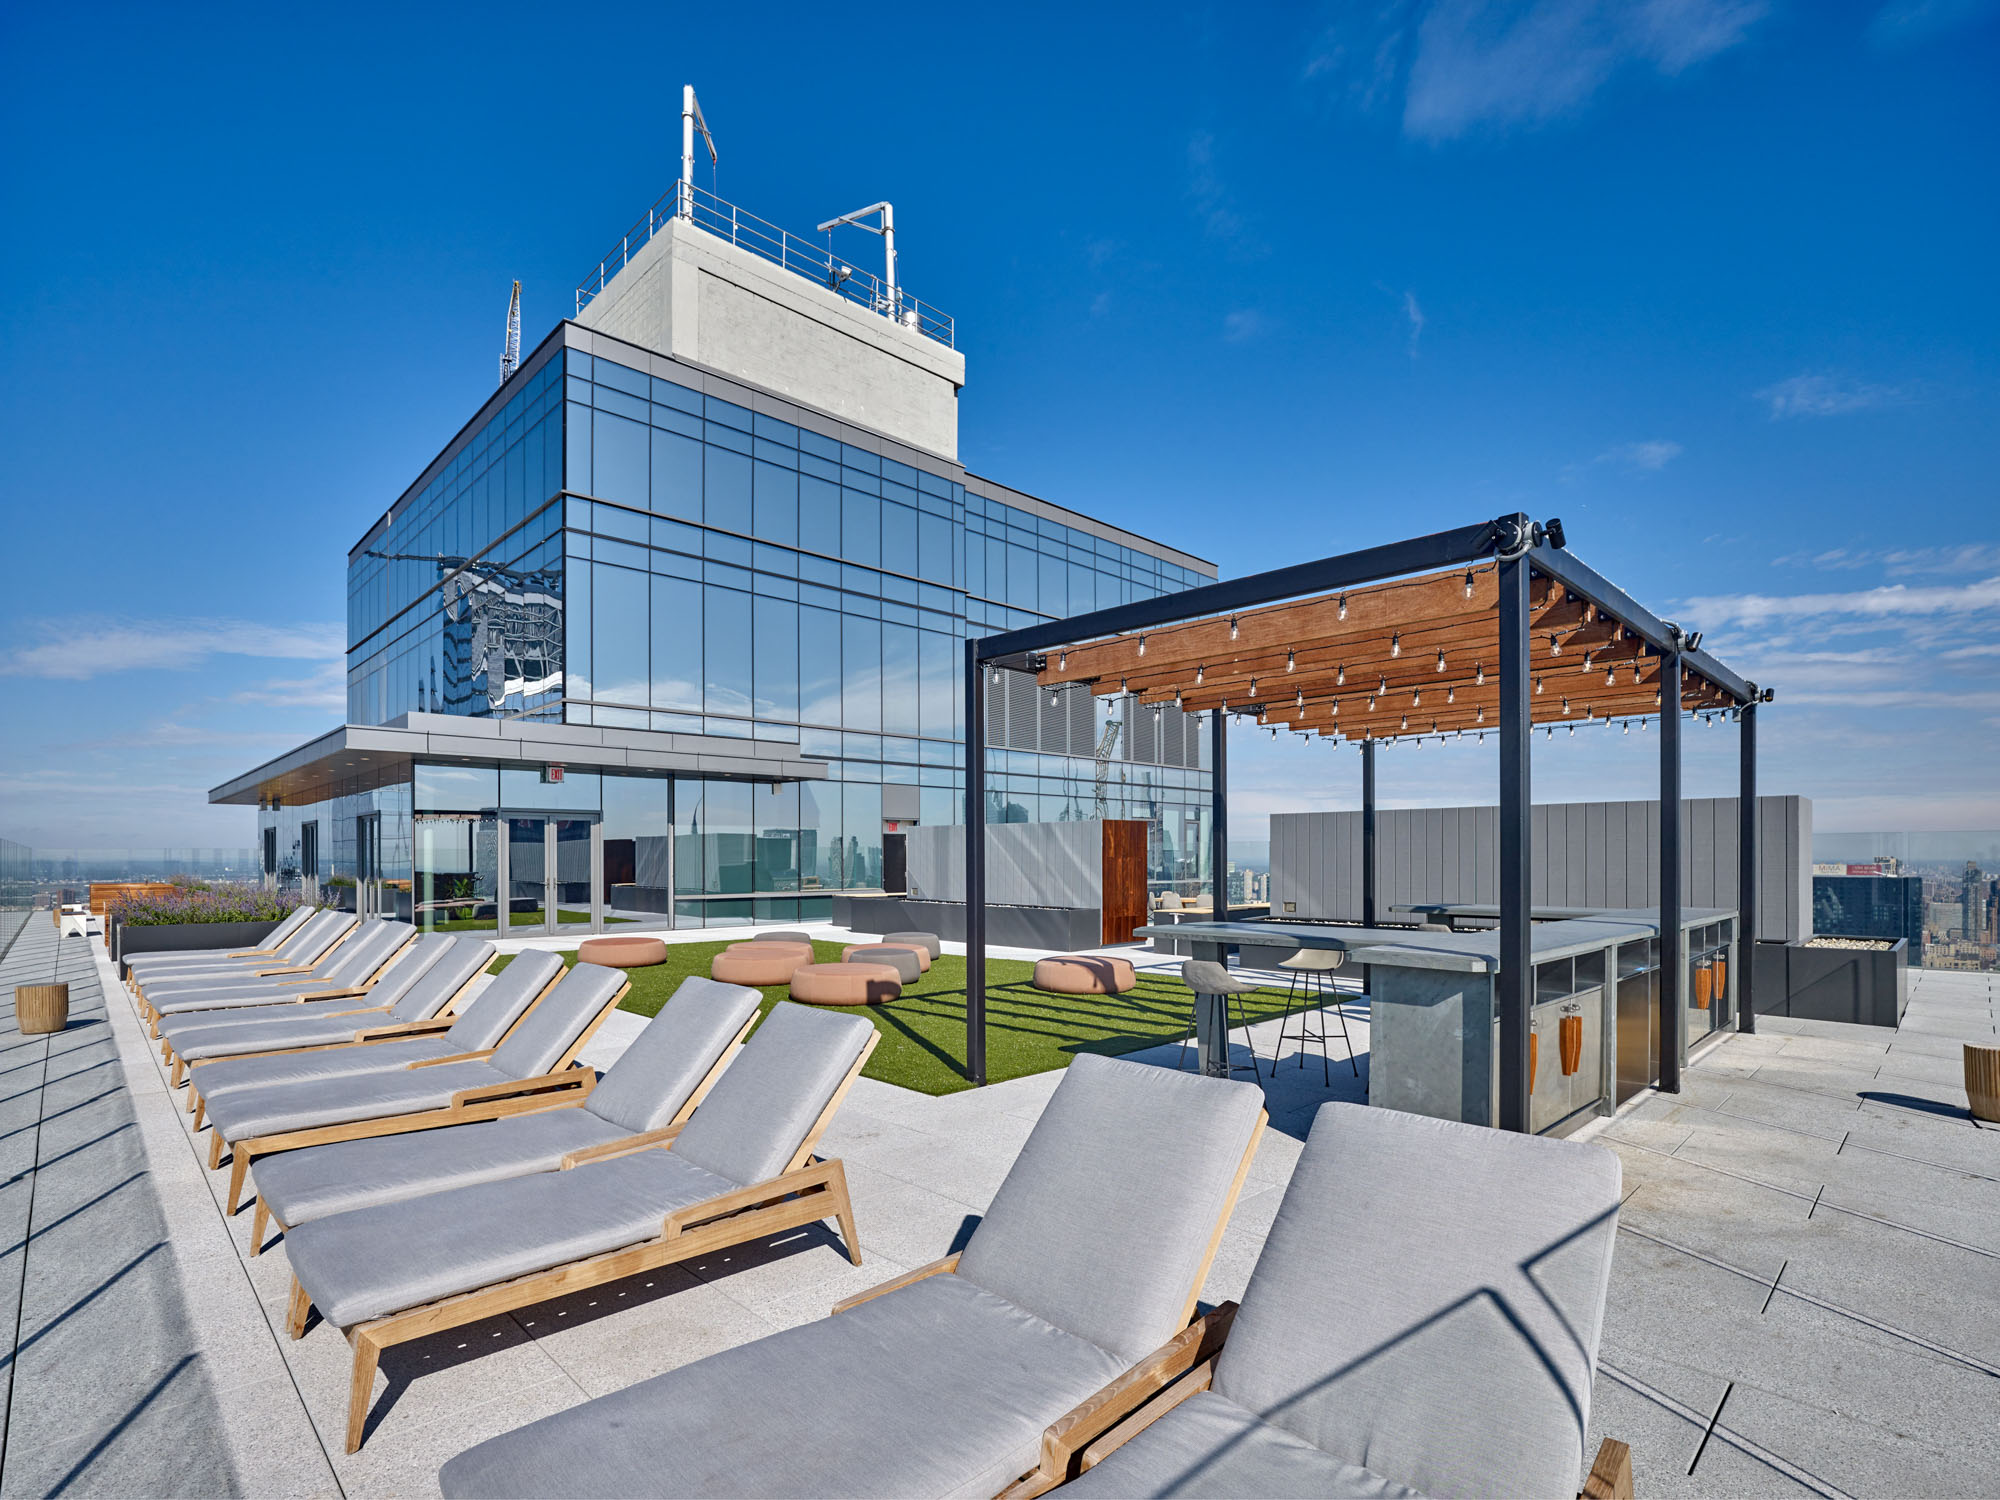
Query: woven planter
[{"x": 41, "y": 1008}]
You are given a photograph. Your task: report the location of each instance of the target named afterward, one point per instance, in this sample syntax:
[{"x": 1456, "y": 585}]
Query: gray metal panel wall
[
  {"x": 1586, "y": 854},
  {"x": 1027, "y": 864}
]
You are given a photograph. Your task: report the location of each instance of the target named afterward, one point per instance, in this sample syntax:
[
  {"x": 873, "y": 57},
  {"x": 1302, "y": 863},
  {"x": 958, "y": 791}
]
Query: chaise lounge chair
[
  {"x": 308, "y": 947},
  {"x": 388, "y": 1002},
  {"x": 966, "y": 1374},
  {"x": 280, "y": 952},
  {"x": 346, "y": 973},
  {"x": 517, "y": 1075},
  {"x": 741, "y": 1169},
  {"x": 653, "y": 1086},
  {"x": 1423, "y": 1321},
  {"x": 486, "y": 1022},
  {"x": 273, "y": 940}
]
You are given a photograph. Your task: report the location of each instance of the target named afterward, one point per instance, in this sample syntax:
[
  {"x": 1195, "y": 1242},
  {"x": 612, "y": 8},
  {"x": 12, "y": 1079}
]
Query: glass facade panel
[{"x": 718, "y": 572}]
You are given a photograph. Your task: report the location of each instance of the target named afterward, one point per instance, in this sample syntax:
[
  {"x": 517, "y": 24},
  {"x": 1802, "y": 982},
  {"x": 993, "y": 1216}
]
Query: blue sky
[{"x": 1710, "y": 279}]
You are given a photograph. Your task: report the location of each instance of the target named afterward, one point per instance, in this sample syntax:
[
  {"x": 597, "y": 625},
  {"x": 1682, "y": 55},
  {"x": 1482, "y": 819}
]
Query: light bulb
[
  {"x": 1572, "y": 731},
  {"x": 1291, "y": 662},
  {"x": 1628, "y": 726},
  {"x": 1479, "y": 676},
  {"x": 1440, "y": 661},
  {"x": 1062, "y": 661},
  {"x": 1451, "y": 694},
  {"x": 1406, "y": 721},
  {"x": 1468, "y": 583},
  {"x": 1610, "y": 677},
  {"x": 1200, "y": 672},
  {"x": 1586, "y": 660},
  {"x": 1334, "y": 704},
  {"x": 1142, "y": 645},
  {"x": 1121, "y": 684},
  {"x": 1302, "y": 698},
  {"x": 1052, "y": 698},
  {"x": 1396, "y": 644},
  {"x": 1340, "y": 677},
  {"x": 1555, "y": 646},
  {"x": 1253, "y": 687},
  {"x": 996, "y": 676},
  {"x": 1232, "y": 627},
  {"x": 1416, "y": 698},
  {"x": 1565, "y": 707},
  {"x": 1343, "y": 606},
  {"x": 1381, "y": 686},
  {"x": 1552, "y": 732},
  {"x": 1538, "y": 686}
]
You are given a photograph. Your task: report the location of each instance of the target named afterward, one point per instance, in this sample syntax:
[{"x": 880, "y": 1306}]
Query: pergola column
[
  {"x": 1218, "y": 815},
  {"x": 975, "y": 864},
  {"x": 1368, "y": 913},
  {"x": 1671, "y": 956},
  {"x": 1514, "y": 985},
  {"x": 1746, "y": 868}
]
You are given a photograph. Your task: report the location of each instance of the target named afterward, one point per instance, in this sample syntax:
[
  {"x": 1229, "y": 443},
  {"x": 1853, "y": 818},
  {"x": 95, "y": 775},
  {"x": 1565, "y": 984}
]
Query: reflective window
[{"x": 726, "y": 652}]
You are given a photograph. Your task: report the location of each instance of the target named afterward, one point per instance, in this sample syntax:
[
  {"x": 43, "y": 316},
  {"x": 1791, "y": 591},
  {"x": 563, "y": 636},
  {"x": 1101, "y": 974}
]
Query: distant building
[{"x": 1881, "y": 906}]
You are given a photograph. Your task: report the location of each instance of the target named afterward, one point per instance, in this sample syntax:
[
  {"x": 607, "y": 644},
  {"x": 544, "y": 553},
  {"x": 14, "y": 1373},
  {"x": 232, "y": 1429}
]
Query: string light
[
  {"x": 1451, "y": 694},
  {"x": 1479, "y": 677},
  {"x": 1551, "y": 732},
  {"x": 1232, "y": 627},
  {"x": 1177, "y": 697},
  {"x": 1416, "y": 698},
  {"x": 1142, "y": 645},
  {"x": 1052, "y": 697},
  {"x": 1628, "y": 726},
  {"x": 1555, "y": 646},
  {"x": 1291, "y": 662},
  {"x": 1565, "y": 707},
  {"x": 1340, "y": 677},
  {"x": 996, "y": 677},
  {"x": 1440, "y": 661},
  {"x": 1343, "y": 606},
  {"x": 1335, "y": 704},
  {"x": 1481, "y": 719},
  {"x": 1381, "y": 686},
  {"x": 1572, "y": 731},
  {"x": 1302, "y": 699},
  {"x": 1586, "y": 660},
  {"x": 1062, "y": 661},
  {"x": 1610, "y": 676},
  {"x": 1200, "y": 671},
  {"x": 1468, "y": 583},
  {"x": 1253, "y": 687},
  {"x": 1538, "y": 687},
  {"x": 1406, "y": 721},
  {"x": 1396, "y": 644},
  {"x": 1121, "y": 684}
]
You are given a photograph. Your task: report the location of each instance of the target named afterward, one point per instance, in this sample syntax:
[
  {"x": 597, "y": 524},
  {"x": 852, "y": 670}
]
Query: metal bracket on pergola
[{"x": 1492, "y": 628}]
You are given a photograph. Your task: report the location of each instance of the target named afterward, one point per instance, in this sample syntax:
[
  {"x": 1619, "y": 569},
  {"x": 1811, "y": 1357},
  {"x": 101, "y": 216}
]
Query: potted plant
[{"x": 196, "y": 914}]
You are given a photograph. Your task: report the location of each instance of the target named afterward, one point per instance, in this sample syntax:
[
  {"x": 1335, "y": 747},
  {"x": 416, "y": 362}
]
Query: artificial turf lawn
[{"x": 923, "y": 1032}]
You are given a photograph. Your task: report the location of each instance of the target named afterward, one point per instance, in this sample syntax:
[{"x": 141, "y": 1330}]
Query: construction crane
[{"x": 510, "y": 355}]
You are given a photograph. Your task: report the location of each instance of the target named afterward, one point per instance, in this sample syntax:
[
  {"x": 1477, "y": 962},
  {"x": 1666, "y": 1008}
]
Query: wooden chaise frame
[
  {"x": 437, "y": 1025},
  {"x": 447, "y": 1013},
  {"x": 572, "y": 1100},
  {"x": 805, "y": 1192},
  {"x": 152, "y": 1016},
  {"x": 1065, "y": 1439},
  {"x": 1182, "y": 1367},
  {"x": 490, "y": 1101},
  {"x": 297, "y": 997}
]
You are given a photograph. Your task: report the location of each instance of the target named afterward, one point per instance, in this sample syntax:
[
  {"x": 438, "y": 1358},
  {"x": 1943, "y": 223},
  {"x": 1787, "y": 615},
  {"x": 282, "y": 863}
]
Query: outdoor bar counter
[{"x": 1434, "y": 1027}]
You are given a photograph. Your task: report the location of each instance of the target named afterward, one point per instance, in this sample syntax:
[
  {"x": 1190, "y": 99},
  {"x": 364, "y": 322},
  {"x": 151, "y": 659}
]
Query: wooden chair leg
[
  {"x": 180, "y": 1070},
  {"x": 1611, "y": 1473},
  {"x": 214, "y": 1150},
  {"x": 844, "y": 1212},
  {"x": 299, "y": 1310},
  {"x": 367, "y": 1354},
  {"x": 239, "y": 1168},
  {"x": 258, "y": 1221},
  {"x": 200, "y": 1110}
]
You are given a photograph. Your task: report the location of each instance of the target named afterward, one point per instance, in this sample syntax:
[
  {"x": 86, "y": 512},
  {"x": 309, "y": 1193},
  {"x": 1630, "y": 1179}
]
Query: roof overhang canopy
[{"x": 359, "y": 757}]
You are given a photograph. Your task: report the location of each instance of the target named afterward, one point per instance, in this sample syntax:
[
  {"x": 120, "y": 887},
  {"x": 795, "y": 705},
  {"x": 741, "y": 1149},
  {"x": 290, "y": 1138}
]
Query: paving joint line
[
  {"x": 1785, "y": 1265},
  {"x": 1709, "y": 1431},
  {"x": 1736, "y": 1440}
]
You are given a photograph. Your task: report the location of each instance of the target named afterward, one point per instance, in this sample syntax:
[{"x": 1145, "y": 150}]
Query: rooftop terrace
[{"x": 1801, "y": 1296}]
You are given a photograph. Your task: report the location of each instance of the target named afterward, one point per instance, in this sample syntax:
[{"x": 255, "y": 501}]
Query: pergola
[{"x": 1492, "y": 628}]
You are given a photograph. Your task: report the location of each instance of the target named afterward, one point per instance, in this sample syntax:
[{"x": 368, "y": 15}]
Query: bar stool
[
  {"x": 1312, "y": 972},
  {"x": 1206, "y": 977}
]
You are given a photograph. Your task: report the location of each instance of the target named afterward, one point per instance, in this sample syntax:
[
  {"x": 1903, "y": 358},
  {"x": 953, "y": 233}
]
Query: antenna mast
[
  {"x": 892, "y": 299},
  {"x": 510, "y": 354},
  {"x": 691, "y": 121}
]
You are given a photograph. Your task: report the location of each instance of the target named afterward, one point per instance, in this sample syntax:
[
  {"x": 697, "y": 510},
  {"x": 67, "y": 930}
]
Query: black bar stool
[{"x": 1206, "y": 977}]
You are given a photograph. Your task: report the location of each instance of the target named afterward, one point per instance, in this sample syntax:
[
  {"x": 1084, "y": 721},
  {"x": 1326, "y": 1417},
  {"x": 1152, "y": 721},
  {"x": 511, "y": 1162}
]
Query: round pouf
[
  {"x": 759, "y": 963},
  {"x": 845, "y": 984},
  {"x": 909, "y": 963},
  {"x": 852, "y": 950},
  {"x": 928, "y": 941},
  {"x": 623, "y": 952},
  {"x": 41, "y": 1008},
  {"x": 1074, "y": 974},
  {"x": 782, "y": 937}
]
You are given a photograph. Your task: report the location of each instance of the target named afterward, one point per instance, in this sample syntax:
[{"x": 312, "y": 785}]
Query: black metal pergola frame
[{"x": 1521, "y": 547}]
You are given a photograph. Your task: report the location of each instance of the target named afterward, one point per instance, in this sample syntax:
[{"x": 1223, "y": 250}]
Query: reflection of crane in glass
[
  {"x": 503, "y": 633},
  {"x": 1105, "y": 745}
]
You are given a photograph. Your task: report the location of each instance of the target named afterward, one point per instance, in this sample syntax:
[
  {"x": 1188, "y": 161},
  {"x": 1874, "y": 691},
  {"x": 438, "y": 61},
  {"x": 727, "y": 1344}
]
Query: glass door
[
  {"x": 573, "y": 902},
  {"x": 368, "y": 889},
  {"x": 456, "y": 872},
  {"x": 527, "y": 875}
]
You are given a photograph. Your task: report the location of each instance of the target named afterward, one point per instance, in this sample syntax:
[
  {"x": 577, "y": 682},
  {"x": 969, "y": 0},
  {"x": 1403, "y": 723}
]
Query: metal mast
[
  {"x": 691, "y": 121},
  {"x": 887, "y": 229},
  {"x": 510, "y": 354}
]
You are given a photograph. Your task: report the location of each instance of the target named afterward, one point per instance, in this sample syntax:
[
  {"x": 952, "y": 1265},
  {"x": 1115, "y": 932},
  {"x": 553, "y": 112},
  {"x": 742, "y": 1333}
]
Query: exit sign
[{"x": 552, "y": 775}]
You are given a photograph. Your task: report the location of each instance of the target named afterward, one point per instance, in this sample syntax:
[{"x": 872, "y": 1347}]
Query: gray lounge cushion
[
  {"x": 359, "y": 960},
  {"x": 898, "y": 956},
  {"x": 497, "y": 1007},
  {"x": 243, "y": 1114},
  {"x": 307, "y": 947},
  {"x": 1128, "y": 1167},
  {"x": 552, "y": 1027},
  {"x": 940, "y": 1389},
  {"x": 277, "y": 1033},
  {"x": 1453, "y": 1348},
  {"x": 781, "y": 937},
  {"x": 212, "y": 1080},
  {"x": 646, "y": 1087},
  {"x": 377, "y": 1261},
  {"x": 928, "y": 941},
  {"x": 753, "y": 1120},
  {"x": 1212, "y": 1448},
  {"x": 301, "y": 1186}
]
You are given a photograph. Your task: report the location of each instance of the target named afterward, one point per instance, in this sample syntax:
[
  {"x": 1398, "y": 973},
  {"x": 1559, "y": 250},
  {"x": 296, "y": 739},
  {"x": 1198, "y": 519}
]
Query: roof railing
[{"x": 762, "y": 238}]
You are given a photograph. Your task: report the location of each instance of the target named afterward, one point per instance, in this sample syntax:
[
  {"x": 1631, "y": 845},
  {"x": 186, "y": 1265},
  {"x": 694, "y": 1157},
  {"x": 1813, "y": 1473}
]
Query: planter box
[
  {"x": 184, "y": 936},
  {"x": 1062, "y": 929},
  {"x": 1865, "y": 986}
]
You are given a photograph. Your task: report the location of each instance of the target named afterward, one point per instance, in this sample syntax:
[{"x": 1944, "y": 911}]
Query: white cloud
[
  {"x": 1825, "y": 396},
  {"x": 83, "y": 648},
  {"x": 1525, "y": 62},
  {"x": 1243, "y": 325},
  {"x": 1654, "y": 454},
  {"x": 326, "y": 688},
  {"x": 1413, "y": 311},
  {"x": 1889, "y": 602}
]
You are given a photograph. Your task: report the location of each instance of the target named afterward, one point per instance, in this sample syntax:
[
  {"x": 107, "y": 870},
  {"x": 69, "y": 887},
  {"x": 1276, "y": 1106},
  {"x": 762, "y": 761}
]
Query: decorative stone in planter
[{"x": 41, "y": 1008}]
